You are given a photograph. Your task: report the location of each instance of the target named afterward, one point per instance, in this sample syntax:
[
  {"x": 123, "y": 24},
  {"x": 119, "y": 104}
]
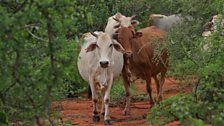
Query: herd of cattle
[{"x": 120, "y": 49}]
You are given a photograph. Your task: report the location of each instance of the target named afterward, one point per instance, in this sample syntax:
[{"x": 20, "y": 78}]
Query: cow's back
[
  {"x": 151, "y": 34},
  {"x": 144, "y": 51},
  {"x": 158, "y": 53},
  {"x": 166, "y": 23}
]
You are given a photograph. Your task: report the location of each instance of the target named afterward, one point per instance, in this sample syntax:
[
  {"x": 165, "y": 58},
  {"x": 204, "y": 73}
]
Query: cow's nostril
[{"x": 104, "y": 64}]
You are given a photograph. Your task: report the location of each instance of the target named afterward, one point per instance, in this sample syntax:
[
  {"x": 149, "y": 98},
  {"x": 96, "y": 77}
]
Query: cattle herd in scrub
[{"x": 122, "y": 50}]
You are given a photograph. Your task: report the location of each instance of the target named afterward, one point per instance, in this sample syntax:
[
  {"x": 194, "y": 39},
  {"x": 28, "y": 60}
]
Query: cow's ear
[
  {"x": 115, "y": 36},
  {"x": 211, "y": 18},
  {"x": 91, "y": 47},
  {"x": 118, "y": 46},
  {"x": 138, "y": 34},
  {"x": 134, "y": 22}
]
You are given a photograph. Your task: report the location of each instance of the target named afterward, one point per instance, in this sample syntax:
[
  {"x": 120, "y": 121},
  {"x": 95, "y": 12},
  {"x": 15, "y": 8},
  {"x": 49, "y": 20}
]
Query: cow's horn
[
  {"x": 94, "y": 34},
  {"x": 116, "y": 19},
  {"x": 133, "y": 17}
]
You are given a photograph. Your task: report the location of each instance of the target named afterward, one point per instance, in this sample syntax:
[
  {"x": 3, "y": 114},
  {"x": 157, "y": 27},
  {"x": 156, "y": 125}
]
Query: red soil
[{"x": 79, "y": 112}]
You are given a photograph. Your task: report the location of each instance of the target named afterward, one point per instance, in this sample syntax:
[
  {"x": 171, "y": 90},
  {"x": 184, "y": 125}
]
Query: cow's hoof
[
  {"x": 102, "y": 113},
  {"x": 126, "y": 113},
  {"x": 151, "y": 102},
  {"x": 96, "y": 118},
  {"x": 160, "y": 98},
  {"x": 108, "y": 122}
]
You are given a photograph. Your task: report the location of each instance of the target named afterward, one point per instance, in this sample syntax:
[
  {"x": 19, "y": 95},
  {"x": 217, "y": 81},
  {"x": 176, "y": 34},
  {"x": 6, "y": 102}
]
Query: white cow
[
  {"x": 99, "y": 62},
  {"x": 212, "y": 25},
  {"x": 163, "y": 22},
  {"x": 210, "y": 28},
  {"x": 118, "y": 20}
]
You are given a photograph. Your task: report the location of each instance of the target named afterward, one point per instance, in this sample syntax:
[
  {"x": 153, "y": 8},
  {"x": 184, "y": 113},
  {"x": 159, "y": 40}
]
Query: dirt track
[{"x": 79, "y": 112}]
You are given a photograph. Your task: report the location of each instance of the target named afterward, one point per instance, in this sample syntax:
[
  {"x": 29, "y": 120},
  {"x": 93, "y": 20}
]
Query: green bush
[
  {"x": 117, "y": 94},
  {"x": 188, "y": 111},
  {"x": 3, "y": 119},
  {"x": 187, "y": 57},
  {"x": 38, "y": 57},
  {"x": 176, "y": 107}
]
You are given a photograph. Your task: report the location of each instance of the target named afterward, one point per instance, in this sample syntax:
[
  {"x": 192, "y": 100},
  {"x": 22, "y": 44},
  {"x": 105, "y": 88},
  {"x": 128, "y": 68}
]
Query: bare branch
[
  {"x": 36, "y": 37},
  {"x": 187, "y": 55},
  {"x": 20, "y": 6}
]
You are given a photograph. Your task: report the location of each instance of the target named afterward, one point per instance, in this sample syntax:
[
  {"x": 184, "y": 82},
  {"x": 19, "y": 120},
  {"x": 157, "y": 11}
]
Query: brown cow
[{"x": 141, "y": 58}]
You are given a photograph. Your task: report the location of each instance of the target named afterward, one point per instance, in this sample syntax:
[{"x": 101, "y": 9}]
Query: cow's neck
[
  {"x": 101, "y": 76},
  {"x": 137, "y": 46}
]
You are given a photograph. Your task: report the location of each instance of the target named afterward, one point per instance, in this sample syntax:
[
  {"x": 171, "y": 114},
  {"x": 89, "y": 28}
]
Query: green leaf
[
  {"x": 3, "y": 119},
  {"x": 89, "y": 18},
  {"x": 197, "y": 122}
]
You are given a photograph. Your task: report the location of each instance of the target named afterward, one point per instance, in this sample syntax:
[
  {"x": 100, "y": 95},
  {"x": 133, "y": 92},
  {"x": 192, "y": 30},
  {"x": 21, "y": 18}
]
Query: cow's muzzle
[{"x": 104, "y": 64}]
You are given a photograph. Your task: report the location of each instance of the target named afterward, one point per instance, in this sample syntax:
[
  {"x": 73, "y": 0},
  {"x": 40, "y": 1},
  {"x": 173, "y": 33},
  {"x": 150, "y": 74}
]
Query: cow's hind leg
[
  {"x": 161, "y": 82},
  {"x": 157, "y": 87},
  {"x": 149, "y": 90},
  {"x": 127, "y": 92}
]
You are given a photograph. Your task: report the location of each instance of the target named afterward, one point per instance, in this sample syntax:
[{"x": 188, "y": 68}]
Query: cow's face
[
  {"x": 126, "y": 22},
  {"x": 125, "y": 36},
  {"x": 104, "y": 48}
]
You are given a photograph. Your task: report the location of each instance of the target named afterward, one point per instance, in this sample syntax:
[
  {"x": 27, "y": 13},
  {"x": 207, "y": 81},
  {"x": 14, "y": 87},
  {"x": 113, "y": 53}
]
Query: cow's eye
[{"x": 111, "y": 45}]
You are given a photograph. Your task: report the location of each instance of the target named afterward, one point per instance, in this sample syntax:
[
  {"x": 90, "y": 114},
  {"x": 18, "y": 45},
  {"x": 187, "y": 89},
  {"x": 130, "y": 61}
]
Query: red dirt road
[{"x": 79, "y": 112}]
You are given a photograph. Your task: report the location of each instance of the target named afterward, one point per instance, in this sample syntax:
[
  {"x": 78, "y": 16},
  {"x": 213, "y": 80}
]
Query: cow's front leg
[
  {"x": 107, "y": 119},
  {"x": 102, "y": 104},
  {"x": 96, "y": 116},
  {"x": 127, "y": 92}
]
